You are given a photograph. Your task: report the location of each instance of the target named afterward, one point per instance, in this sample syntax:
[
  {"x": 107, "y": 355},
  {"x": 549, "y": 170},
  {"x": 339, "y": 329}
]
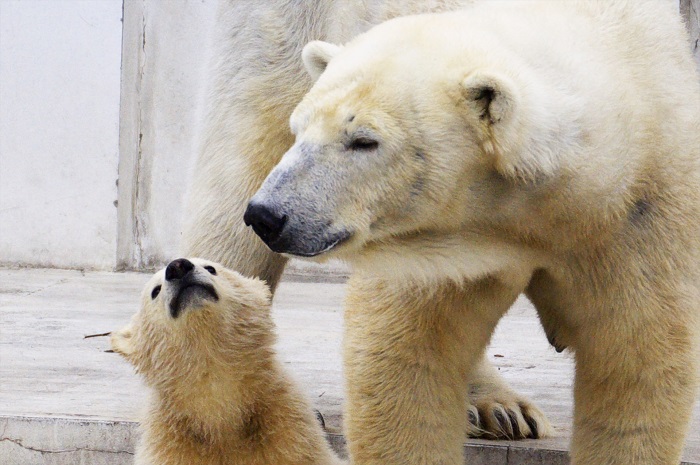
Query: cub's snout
[{"x": 186, "y": 286}]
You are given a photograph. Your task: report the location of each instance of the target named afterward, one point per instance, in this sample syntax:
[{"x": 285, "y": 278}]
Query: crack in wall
[
  {"x": 19, "y": 443},
  {"x": 138, "y": 227}
]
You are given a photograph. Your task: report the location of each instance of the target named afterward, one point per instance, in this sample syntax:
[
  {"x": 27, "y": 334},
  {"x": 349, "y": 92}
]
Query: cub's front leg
[{"x": 408, "y": 354}]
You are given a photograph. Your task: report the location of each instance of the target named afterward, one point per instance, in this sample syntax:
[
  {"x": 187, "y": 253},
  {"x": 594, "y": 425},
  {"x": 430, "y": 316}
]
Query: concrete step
[{"x": 64, "y": 401}]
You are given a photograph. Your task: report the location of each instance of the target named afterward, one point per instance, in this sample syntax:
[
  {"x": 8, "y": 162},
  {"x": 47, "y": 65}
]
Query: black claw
[
  {"x": 473, "y": 418},
  {"x": 501, "y": 420},
  {"x": 533, "y": 426},
  {"x": 320, "y": 419},
  {"x": 517, "y": 434}
]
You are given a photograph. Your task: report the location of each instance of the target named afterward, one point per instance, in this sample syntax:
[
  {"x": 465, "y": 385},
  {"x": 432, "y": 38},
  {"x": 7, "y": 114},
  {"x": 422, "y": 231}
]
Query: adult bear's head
[{"x": 409, "y": 128}]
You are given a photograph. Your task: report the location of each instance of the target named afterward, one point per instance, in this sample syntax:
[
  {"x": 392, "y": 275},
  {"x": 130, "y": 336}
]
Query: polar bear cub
[{"x": 203, "y": 341}]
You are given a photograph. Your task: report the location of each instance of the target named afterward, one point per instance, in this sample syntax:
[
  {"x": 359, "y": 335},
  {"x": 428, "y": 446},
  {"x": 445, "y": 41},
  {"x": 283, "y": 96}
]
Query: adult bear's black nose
[
  {"x": 266, "y": 222},
  {"x": 178, "y": 269}
]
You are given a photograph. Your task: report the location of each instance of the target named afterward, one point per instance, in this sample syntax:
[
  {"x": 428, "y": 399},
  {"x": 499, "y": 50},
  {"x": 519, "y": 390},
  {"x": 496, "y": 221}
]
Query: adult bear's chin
[
  {"x": 314, "y": 247},
  {"x": 317, "y": 249}
]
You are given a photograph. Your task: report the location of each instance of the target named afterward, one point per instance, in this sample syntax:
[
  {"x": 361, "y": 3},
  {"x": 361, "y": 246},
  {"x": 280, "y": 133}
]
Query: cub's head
[
  {"x": 405, "y": 131},
  {"x": 195, "y": 314}
]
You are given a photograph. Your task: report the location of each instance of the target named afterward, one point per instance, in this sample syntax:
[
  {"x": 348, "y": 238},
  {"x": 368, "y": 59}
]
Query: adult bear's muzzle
[
  {"x": 291, "y": 234},
  {"x": 266, "y": 221}
]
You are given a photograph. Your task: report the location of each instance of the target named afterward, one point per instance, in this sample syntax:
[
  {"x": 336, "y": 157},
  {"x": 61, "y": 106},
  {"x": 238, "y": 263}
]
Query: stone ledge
[{"x": 66, "y": 441}]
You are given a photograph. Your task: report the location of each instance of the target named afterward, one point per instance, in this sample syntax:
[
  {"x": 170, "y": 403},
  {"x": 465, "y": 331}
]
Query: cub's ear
[
  {"x": 491, "y": 96},
  {"x": 121, "y": 342},
  {"x": 316, "y": 56}
]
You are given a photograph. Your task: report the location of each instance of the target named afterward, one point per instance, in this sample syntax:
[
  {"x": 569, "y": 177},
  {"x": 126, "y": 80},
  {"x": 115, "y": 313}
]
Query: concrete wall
[
  {"x": 86, "y": 100},
  {"x": 59, "y": 127},
  {"x": 165, "y": 55},
  {"x": 97, "y": 133}
]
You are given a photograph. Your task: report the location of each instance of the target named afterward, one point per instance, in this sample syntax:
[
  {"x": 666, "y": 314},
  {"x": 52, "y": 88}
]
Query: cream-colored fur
[
  {"x": 257, "y": 78},
  {"x": 459, "y": 159},
  {"x": 219, "y": 395},
  {"x": 408, "y": 354}
]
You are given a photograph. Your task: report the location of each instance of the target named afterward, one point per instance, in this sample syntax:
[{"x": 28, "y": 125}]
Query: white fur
[{"x": 550, "y": 148}]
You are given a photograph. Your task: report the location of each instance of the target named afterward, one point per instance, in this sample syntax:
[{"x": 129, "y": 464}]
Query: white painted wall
[
  {"x": 59, "y": 109},
  {"x": 79, "y": 109},
  {"x": 166, "y": 51},
  {"x": 72, "y": 122}
]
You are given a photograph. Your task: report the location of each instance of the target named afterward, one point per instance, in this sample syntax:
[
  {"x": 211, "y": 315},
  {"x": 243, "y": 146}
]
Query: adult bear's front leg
[
  {"x": 408, "y": 354},
  {"x": 635, "y": 387}
]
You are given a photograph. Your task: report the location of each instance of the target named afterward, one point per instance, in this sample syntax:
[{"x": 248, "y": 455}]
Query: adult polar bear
[
  {"x": 257, "y": 79},
  {"x": 551, "y": 148}
]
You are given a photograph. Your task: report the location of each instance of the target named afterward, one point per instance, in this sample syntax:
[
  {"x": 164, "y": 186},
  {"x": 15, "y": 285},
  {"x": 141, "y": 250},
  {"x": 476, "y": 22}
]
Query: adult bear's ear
[
  {"x": 491, "y": 96},
  {"x": 495, "y": 108},
  {"x": 316, "y": 56}
]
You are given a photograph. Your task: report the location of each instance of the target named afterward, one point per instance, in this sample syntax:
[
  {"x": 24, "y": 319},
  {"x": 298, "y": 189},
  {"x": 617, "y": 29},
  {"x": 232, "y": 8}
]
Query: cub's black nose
[
  {"x": 178, "y": 269},
  {"x": 266, "y": 222}
]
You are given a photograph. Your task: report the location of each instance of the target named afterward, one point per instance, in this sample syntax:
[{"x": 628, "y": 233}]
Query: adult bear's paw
[
  {"x": 506, "y": 415},
  {"x": 497, "y": 412}
]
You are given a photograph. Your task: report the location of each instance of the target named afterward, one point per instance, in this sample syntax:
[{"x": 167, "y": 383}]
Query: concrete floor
[{"x": 63, "y": 400}]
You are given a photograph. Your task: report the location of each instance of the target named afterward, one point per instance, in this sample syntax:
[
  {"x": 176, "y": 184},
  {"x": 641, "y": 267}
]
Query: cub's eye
[
  {"x": 363, "y": 144},
  {"x": 210, "y": 269},
  {"x": 155, "y": 291}
]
